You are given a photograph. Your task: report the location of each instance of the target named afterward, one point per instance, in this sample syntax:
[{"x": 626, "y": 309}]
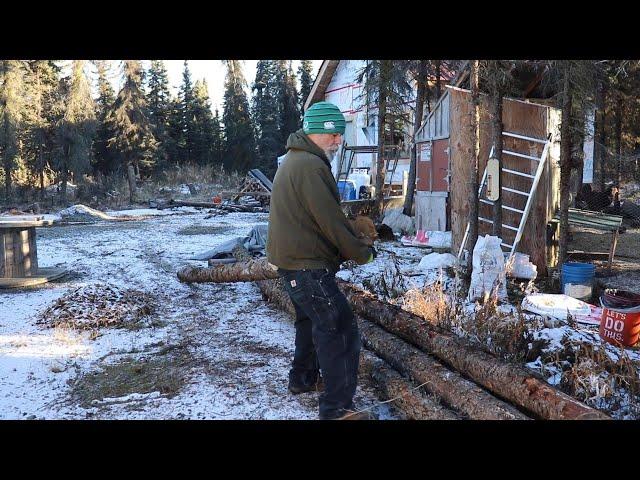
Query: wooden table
[{"x": 19, "y": 254}]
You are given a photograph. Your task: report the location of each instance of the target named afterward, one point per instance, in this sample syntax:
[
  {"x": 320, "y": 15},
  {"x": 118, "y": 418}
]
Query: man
[{"x": 309, "y": 237}]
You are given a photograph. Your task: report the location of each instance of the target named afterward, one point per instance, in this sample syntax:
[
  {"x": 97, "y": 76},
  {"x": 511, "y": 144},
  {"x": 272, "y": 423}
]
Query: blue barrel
[
  {"x": 347, "y": 189},
  {"x": 577, "y": 279}
]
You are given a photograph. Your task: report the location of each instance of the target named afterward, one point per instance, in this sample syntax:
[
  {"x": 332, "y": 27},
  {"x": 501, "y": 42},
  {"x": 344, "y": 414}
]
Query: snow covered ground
[{"x": 206, "y": 352}]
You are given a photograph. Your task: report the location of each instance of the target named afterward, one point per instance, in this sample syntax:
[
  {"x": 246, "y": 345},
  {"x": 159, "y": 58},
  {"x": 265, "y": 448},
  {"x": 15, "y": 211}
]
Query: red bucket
[{"x": 620, "y": 323}]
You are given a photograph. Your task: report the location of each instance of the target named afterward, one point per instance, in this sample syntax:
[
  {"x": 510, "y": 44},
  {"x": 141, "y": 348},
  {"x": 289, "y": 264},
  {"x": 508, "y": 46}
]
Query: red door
[
  {"x": 440, "y": 165},
  {"x": 423, "y": 169},
  {"x": 433, "y": 166}
]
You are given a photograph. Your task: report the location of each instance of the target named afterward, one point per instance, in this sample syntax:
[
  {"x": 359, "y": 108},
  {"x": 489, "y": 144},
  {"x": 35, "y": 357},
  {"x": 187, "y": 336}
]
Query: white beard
[{"x": 330, "y": 155}]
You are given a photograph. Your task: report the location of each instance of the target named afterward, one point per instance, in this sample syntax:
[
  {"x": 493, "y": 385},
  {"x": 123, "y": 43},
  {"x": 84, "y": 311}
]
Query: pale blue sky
[{"x": 211, "y": 70}]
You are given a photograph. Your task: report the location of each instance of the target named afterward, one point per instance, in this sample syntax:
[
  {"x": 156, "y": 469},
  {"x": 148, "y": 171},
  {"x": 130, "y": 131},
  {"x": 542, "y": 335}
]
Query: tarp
[{"x": 254, "y": 242}]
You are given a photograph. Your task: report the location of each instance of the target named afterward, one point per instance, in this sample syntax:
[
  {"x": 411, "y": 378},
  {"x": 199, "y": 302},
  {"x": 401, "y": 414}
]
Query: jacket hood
[{"x": 299, "y": 141}]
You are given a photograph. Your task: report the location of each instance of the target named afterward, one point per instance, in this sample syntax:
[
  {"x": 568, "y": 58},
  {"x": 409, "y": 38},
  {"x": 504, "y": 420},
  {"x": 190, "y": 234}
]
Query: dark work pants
[{"x": 326, "y": 336}]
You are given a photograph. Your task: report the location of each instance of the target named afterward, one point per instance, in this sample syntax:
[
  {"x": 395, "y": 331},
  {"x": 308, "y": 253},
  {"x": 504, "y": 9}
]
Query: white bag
[
  {"x": 436, "y": 260},
  {"x": 488, "y": 269},
  {"x": 522, "y": 267}
]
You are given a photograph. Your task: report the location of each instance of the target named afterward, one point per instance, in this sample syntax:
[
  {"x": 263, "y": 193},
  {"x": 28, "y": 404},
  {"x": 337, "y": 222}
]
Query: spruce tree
[
  {"x": 265, "y": 115},
  {"x": 203, "y": 148},
  {"x": 218, "y": 140},
  {"x": 240, "y": 140},
  {"x": 174, "y": 145},
  {"x": 133, "y": 132},
  {"x": 305, "y": 74},
  {"x": 11, "y": 115},
  {"x": 105, "y": 157},
  {"x": 76, "y": 129},
  {"x": 188, "y": 107},
  {"x": 159, "y": 105},
  {"x": 289, "y": 119},
  {"x": 42, "y": 83}
]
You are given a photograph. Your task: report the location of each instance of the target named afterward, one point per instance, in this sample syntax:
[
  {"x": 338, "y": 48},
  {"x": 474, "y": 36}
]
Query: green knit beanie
[{"x": 323, "y": 117}]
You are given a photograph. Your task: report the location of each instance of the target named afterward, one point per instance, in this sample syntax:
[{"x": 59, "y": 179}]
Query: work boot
[
  {"x": 297, "y": 388},
  {"x": 346, "y": 414}
]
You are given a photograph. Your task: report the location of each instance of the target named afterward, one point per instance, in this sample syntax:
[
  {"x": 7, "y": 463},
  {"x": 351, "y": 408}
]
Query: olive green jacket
[{"x": 307, "y": 227}]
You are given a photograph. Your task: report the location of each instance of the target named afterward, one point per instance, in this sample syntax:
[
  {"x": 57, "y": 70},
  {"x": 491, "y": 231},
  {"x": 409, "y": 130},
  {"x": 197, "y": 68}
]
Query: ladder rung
[
  {"x": 526, "y": 194},
  {"x": 515, "y": 135},
  {"x": 516, "y": 154},
  {"x": 489, "y": 202},
  {"x": 504, "y": 224},
  {"x": 506, "y": 245},
  {"x": 514, "y": 172},
  {"x": 513, "y": 209}
]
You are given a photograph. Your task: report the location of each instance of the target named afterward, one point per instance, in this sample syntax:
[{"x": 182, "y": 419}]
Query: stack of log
[
  {"x": 429, "y": 374},
  {"x": 247, "y": 204}
]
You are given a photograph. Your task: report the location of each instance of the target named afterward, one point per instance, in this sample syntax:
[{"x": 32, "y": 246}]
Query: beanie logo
[
  {"x": 305, "y": 125},
  {"x": 329, "y": 125}
]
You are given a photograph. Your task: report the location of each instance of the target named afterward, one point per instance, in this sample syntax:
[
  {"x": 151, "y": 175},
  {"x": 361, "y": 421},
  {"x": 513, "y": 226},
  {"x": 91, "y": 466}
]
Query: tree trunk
[
  {"x": 565, "y": 168},
  {"x": 508, "y": 381},
  {"x": 458, "y": 393},
  {"x": 475, "y": 147},
  {"x": 385, "y": 67},
  {"x": 7, "y": 182},
  {"x": 420, "y": 97},
  {"x": 247, "y": 271},
  {"x": 132, "y": 182},
  {"x": 599, "y": 136},
  {"x": 619, "y": 114},
  {"x": 64, "y": 178},
  {"x": 41, "y": 176},
  {"x": 407, "y": 399},
  {"x": 496, "y": 117}
]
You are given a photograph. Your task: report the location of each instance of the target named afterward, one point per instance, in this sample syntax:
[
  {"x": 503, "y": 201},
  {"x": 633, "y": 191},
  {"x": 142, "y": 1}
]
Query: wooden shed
[{"x": 444, "y": 139}]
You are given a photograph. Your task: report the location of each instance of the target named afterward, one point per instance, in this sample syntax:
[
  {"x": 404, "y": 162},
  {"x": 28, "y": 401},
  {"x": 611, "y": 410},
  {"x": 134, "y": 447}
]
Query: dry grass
[
  {"x": 593, "y": 377},
  {"x": 203, "y": 229},
  {"x": 504, "y": 334},
  {"x": 165, "y": 372}
]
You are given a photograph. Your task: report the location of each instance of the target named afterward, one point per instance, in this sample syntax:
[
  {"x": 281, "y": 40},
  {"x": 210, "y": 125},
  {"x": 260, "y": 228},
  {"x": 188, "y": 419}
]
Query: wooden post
[{"x": 614, "y": 242}]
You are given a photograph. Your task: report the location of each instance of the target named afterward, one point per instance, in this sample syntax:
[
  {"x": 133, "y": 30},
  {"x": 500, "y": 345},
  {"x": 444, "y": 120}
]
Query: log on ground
[
  {"x": 457, "y": 392},
  {"x": 410, "y": 401},
  {"x": 246, "y": 271},
  {"x": 510, "y": 382}
]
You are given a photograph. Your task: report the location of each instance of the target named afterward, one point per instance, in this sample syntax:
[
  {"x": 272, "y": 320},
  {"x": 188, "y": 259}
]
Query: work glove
[{"x": 373, "y": 254}]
